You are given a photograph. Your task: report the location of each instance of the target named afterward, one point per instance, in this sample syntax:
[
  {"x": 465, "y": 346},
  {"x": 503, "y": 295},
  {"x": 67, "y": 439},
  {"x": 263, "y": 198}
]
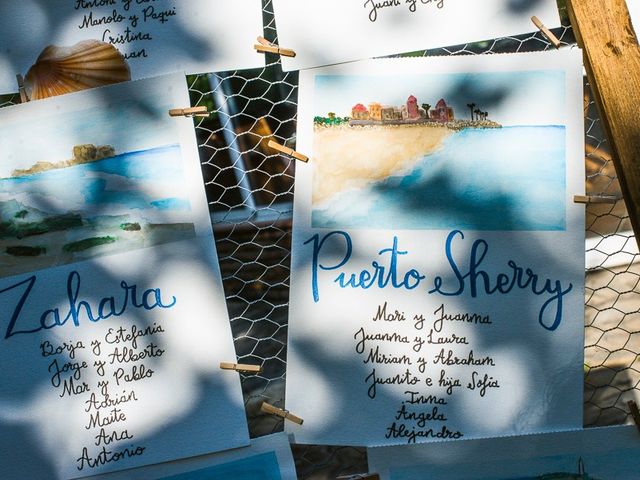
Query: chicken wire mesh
[{"x": 250, "y": 192}]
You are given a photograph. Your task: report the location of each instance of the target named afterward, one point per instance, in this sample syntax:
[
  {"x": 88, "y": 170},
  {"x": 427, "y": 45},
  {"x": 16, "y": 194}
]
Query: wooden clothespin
[
  {"x": 610, "y": 199},
  {"x": 270, "y": 409},
  {"x": 546, "y": 32},
  {"x": 288, "y": 151},
  {"x": 24, "y": 98},
  {"x": 265, "y": 45},
  {"x": 360, "y": 476},
  {"x": 239, "y": 367},
  {"x": 189, "y": 112},
  {"x": 635, "y": 413}
]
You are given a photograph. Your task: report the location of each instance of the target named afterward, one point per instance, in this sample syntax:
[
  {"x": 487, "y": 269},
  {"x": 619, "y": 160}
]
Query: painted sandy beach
[
  {"x": 435, "y": 177},
  {"x": 350, "y": 157}
]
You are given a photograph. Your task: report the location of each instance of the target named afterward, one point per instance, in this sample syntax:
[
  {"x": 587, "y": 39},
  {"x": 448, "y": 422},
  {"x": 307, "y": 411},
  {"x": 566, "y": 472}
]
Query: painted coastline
[
  {"x": 82, "y": 154},
  {"x": 348, "y": 156},
  {"x": 118, "y": 204},
  {"x": 470, "y": 181}
]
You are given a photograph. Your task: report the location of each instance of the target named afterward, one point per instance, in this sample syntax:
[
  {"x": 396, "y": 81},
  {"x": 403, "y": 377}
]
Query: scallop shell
[{"x": 87, "y": 64}]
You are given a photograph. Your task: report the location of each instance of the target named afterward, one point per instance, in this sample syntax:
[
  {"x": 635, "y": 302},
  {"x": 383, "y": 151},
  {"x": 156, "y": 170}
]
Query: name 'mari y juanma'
[{"x": 472, "y": 278}]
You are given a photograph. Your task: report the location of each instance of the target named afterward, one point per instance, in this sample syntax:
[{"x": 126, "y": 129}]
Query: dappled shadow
[
  {"x": 398, "y": 18},
  {"x": 551, "y": 370},
  {"x": 155, "y": 37},
  {"x": 257, "y": 294},
  {"x": 164, "y": 284},
  {"x": 607, "y": 389}
]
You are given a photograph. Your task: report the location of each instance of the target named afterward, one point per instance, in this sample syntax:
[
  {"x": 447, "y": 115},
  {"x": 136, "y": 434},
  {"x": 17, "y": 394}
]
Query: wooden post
[{"x": 612, "y": 59}]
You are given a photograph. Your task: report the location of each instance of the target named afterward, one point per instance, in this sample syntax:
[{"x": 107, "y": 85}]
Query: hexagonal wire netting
[
  {"x": 250, "y": 193},
  {"x": 250, "y": 190}
]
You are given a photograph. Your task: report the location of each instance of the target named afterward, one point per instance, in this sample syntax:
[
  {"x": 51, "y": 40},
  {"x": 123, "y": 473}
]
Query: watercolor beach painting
[
  {"x": 608, "y": 453},
  {"x": 77, "y": 190},
  {"x": 92, "y": 206},
  {"x": 413, "y": 153}
]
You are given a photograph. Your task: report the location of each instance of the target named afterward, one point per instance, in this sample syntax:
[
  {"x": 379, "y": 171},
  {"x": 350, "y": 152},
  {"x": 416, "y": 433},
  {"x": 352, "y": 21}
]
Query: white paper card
[
  {"x": 594, "y": 453},
  {"x": 634, "y": 12},
  {"x": 334, "y": 31},
  {"x": 267, "y": 458},
  {"x": 156, "y": 37},
  {"x": 437, "y": 256},
  {"x": 113, "y": 319}
]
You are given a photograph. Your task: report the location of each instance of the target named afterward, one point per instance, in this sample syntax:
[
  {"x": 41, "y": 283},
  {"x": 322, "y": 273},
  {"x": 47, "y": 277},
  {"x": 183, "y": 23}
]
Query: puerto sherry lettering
[{"x": 466, "y": 274}]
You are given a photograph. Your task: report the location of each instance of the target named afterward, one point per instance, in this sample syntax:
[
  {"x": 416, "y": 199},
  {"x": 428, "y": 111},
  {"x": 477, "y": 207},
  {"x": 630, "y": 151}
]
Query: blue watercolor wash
[
  {"x": 172, "y": 204},
  {"x": 259, "y": 467},
  {"x": 111, "y": 181},
  {"x": 511, "y": 179}
]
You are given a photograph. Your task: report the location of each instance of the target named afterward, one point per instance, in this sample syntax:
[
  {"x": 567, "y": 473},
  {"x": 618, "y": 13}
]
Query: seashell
[{"x": 87, "y": 64}]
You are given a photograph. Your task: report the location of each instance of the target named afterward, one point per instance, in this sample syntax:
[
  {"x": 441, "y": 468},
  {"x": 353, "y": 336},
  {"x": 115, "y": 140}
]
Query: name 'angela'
[{"x": 333, "y": 251}]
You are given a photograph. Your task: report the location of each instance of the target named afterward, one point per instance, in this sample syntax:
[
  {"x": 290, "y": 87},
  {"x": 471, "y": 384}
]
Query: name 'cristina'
[
  {"x": 332, "y": 252},
  {"x": 77, "y": 310}
]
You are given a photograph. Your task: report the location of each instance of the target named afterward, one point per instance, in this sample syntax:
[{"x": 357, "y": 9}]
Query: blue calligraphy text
[
  {"x": 336, "y": 254},
  {"x": 79, "y": 309},
  {"x": 480, "y": 282},
  {"x": 380, "y": 275}
]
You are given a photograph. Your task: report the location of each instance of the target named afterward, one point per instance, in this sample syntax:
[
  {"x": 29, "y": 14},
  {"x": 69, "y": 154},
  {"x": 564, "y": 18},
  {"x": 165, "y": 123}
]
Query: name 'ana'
[{"x": 77, "y": 310}]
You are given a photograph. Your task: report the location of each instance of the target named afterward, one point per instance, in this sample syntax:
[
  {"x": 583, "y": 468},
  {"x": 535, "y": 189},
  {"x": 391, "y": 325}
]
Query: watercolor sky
[
  {"x": 511, "y": 98},
  {"x": 46, "y": 130}
]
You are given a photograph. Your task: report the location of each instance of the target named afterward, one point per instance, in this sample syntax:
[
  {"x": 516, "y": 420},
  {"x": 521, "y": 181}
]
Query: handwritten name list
[
  {"x": 111, "y": 369},
  {"x": 138, "y": 22},
  {"x": 424, "y": 362},
  {"x": 155, "y": 36},
  {"x": 105, "y": 375}
]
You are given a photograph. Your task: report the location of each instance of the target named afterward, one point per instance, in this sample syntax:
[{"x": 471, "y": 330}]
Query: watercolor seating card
[
  {"x": 437, "y": 256},
  {"x": 335, "y": 31},
  {"x": 609, "y": 453},
  {"x": 267, "y": 458},
  {"x": 113, "y": 319},
  {"x": 156, "y": 37}
]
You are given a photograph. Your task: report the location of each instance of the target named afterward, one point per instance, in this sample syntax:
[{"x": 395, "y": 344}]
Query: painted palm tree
[
  {"x": 427, "y": 108},
  {"x": 471, "y": 107},
  {"x": 477, "y": 111}
]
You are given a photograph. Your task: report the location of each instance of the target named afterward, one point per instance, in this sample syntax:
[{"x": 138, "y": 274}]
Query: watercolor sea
[
  {"x": 121, "y": 203},
  {"x": 504, "y": 179}
]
